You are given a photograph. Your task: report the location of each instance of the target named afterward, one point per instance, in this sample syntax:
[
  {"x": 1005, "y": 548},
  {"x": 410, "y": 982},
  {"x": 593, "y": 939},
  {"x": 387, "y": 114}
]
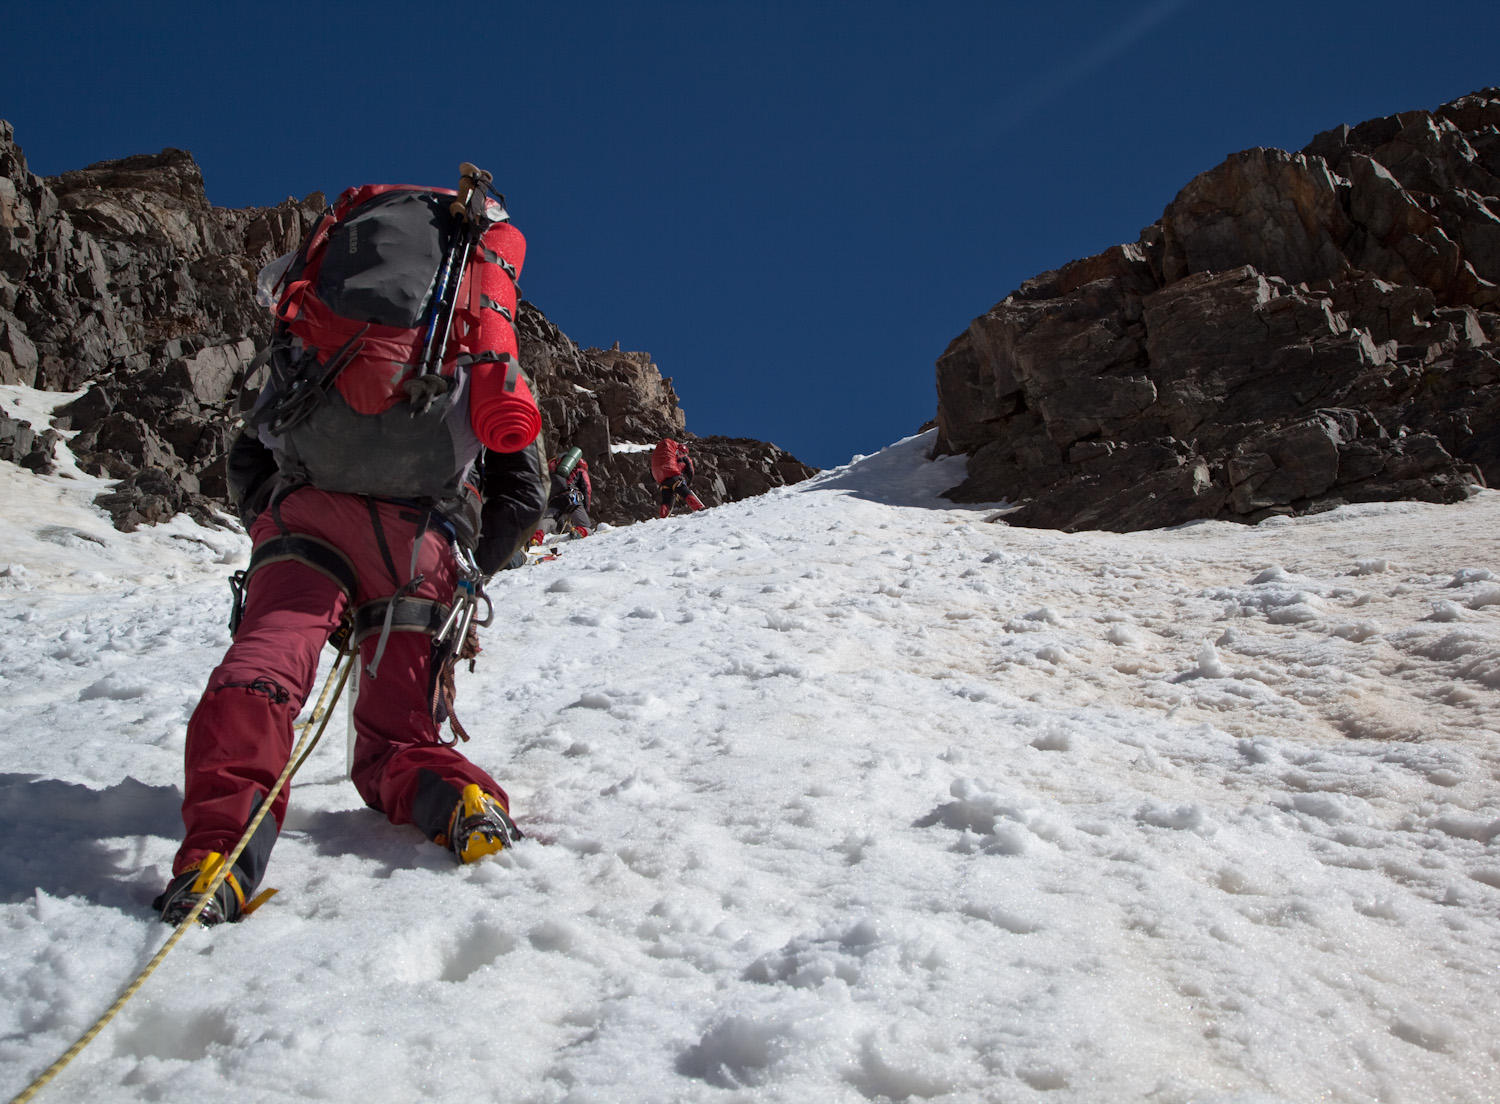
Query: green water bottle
[{"x": 568, "y": 461}]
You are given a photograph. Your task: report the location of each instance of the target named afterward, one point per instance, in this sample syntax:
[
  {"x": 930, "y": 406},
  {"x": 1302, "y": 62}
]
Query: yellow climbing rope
[{"x": 342, "y": 665}]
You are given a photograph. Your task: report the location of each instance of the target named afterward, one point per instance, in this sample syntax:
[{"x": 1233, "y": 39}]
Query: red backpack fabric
[
  {"x": 369, "y": 271},
  {"x": 665, "y": 461}
]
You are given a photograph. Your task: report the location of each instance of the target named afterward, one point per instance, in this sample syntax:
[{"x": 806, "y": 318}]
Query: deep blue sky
[{"x": 792, "y": 206}]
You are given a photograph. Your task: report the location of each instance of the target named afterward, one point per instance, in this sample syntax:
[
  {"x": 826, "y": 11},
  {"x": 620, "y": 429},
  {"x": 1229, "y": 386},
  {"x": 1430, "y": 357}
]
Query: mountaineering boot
[
  {"x": 693, "y": 503},
  {"x": 183, "y": 891},
  {"x": 663, "y": 511},
  {"x": 480, "y": 826}
]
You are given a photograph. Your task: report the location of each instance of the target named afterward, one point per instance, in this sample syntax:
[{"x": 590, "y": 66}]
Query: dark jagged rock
[
  {"x": 21, "y": 444},
  {"x": 123, "y": 279},
  {"x": 614, "y": 405},
  {"x": 1297, "y": 331},
  {"x": 151, "y": 495}
]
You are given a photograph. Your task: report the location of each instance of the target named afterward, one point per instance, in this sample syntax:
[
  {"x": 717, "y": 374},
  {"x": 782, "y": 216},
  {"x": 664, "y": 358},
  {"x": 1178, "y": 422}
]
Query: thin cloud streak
[{"x": 1030, "y": 100}]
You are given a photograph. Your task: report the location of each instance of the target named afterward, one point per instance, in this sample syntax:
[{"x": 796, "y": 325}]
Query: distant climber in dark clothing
[
  {"x": 570, "y": 496},
  {"x": 672, "y": 468}
]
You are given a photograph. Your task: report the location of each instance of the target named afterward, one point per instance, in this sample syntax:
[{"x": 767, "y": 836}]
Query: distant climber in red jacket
[{"x": 672, "y": 468}]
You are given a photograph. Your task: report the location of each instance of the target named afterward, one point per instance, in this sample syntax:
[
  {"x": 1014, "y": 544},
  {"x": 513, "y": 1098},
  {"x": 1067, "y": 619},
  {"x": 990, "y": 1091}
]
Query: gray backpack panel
[
  {"x": 381, "y": 264},
  {"x": 399, "y": 453}
]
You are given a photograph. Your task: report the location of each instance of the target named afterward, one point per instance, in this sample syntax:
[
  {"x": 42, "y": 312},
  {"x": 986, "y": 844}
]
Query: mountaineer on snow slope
[{"x": 378, "y": 502}]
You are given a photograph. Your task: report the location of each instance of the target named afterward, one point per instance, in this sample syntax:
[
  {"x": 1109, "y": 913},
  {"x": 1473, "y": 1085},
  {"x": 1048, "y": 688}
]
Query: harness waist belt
[{"x": 411, "y": 615}]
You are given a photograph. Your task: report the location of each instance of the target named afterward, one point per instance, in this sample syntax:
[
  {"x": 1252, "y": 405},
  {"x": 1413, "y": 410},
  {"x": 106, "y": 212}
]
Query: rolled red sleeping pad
[{"x": 505, "y": 421}]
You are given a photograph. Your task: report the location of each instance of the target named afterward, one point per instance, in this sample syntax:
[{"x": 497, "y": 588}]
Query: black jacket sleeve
[
  {"x": 515, "y": 496},
  {"x": 557, "y": 488},
  {"x": 251, "y": 467}
]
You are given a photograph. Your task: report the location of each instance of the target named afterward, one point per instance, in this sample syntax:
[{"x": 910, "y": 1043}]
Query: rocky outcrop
[
  {"x": 21, "y": 444},
  {"x": 124, "y": 279},
  {"x": 614, "y": 406},
  {"x": 1297, "y": 331}
]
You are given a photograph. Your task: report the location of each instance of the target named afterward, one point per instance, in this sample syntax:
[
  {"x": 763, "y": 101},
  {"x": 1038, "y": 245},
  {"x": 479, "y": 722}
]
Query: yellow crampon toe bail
[
  {"x": 208, "y": 867},
  {"x": 476, "y": 834},
  {"x": 259, "y": 899}
]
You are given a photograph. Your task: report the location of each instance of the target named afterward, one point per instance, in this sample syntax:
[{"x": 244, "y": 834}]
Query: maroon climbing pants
[{"x": 240, "y": 735}]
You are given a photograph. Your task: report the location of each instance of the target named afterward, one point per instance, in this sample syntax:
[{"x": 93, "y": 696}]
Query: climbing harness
[
  {"x": 342, "y": 664},
  {"x": 452, "y": 627},
  {"x": 300, "y": 548}
]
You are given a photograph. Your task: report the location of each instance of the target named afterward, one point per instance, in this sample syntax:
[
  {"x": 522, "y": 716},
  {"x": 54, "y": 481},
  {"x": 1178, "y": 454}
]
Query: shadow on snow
[{"x": 69, "y": 840}]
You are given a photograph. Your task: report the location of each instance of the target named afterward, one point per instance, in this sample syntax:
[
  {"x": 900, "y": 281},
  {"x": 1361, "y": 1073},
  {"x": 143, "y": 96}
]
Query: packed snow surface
[{"x": 843, "y": 793}]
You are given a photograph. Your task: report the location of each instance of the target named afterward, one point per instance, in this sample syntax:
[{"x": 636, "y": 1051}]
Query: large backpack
[
  {"x": 665, "y": 463},
  {"x": 390, "y": 301}
]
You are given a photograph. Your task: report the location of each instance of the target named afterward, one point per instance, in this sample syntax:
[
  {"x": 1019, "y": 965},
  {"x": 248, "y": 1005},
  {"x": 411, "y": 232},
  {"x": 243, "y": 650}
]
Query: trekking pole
[
  {"x": 423, "y": 365},
  {"x": 292, "y": 764},
  {"x": 469, "y": 207},
  {"x": 471, "y": 181}
]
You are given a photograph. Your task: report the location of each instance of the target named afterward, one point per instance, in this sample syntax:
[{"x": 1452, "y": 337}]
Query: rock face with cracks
[
  {"x": 613, "y": 405},
  {"x": 1297, "y": 331},
  {"x": 122, "y": 280}
]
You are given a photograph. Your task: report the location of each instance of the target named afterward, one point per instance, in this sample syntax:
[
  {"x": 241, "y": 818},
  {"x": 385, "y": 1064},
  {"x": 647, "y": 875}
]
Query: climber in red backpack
[
  {"x": 672, "y": 468},
  {"x": 376, "y": 502}
]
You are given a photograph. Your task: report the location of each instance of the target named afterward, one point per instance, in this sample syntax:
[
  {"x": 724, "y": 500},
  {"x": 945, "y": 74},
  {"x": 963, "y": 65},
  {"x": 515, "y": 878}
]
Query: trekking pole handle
[{"x": 470, "y": 177}]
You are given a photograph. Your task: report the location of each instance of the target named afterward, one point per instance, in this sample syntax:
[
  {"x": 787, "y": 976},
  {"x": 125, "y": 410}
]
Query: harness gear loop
[
  {"x": 237, "y": 584},
  {"x": 457, "y": 639},
  {"x": 444, "y": 689}
]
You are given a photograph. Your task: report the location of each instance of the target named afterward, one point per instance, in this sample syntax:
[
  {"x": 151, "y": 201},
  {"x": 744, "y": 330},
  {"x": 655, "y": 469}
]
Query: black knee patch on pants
[
  {"x": 250, "y": 867},
  {"x": 432, "y": 806}
]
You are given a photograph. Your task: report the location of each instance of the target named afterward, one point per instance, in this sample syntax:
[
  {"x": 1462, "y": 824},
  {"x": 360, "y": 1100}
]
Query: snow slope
[{"x": 837, "y": 794}]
